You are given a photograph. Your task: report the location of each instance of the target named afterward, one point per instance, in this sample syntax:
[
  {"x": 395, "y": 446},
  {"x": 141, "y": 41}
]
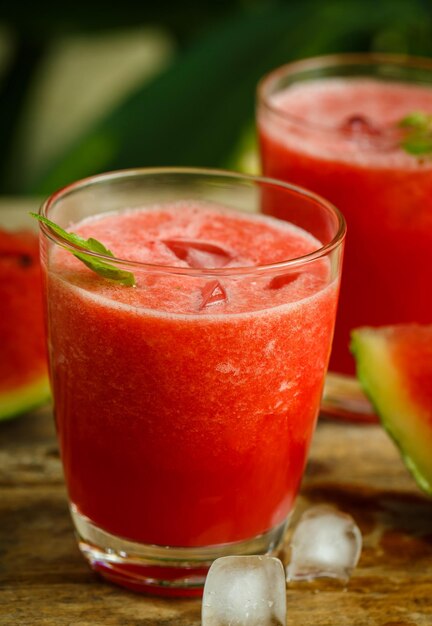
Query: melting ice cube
[
  {"x": 326, "y": 543},
  {"x": 357, "y": 125},
  {"x": 283, "y": 279},
  {"x": 364, "y": 132},
  {"x": 212, "y": 293},
  {"x": 200, "y": 254},
  {"x": 245, "y": 591}
]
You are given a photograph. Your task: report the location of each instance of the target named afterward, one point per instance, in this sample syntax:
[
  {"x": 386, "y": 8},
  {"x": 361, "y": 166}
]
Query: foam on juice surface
[
  {"x": 201, "y": 237},
  {"x": 321, "y": 108}
]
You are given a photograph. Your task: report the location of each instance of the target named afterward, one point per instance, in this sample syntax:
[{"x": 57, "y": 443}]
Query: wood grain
[{"x": 44, "y": 580}]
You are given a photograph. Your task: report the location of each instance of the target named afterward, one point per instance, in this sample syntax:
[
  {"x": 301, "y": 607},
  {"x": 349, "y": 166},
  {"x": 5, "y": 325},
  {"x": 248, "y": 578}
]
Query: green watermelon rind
[
  {"x": 15, "y": 402},
  {"x": 398, "y": 414}
]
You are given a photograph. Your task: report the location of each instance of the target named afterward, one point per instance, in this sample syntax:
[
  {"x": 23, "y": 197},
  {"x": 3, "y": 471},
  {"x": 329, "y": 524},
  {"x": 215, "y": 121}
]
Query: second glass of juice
[
  {"x": 332, "y": 124},
  {"x": 185, "y": 399}
]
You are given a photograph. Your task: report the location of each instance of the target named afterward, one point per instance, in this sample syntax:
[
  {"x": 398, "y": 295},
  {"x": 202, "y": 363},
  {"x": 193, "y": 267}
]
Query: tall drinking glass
[
  {"x": 333, "y": 125},
  {"x": 187, "y": 380}
]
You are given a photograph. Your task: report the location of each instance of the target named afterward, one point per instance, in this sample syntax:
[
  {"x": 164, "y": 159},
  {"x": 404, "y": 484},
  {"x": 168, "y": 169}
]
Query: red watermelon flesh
[
  {"x": 23, "y": 363},
  {"x": 394, "y": 366}
]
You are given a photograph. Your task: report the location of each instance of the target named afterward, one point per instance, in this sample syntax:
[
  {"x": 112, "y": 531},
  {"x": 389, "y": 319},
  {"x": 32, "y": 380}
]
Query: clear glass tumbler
[
  {"x": 333, "y": 125},
  {"x": 185, "y": 402}
]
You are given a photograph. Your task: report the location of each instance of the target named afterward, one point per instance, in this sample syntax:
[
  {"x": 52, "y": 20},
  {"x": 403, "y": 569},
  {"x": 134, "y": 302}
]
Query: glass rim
[
  {"x": 132, "y": 173},
  {"x": 355, "y": 59}
]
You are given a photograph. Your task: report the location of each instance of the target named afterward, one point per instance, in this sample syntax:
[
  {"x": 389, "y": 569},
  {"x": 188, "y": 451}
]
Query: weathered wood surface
[{"x": 44, "y": 580}]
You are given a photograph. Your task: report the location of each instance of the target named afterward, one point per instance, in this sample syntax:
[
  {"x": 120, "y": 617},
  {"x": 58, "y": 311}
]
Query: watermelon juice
[
  {"x": 185, "y": 405},
  {"x": 334, "y": 128}
]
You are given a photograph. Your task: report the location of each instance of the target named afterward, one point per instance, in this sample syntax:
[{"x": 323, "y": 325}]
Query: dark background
[{"x": 89, "y": 86}]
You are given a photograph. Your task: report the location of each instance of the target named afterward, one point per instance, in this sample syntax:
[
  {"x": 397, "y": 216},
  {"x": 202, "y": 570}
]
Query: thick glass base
[
  {"x": 161, "y": 570},
  {"x": 343, "y": 398}
]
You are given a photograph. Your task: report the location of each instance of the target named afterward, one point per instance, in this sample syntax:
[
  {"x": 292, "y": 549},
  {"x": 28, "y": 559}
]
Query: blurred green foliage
[{"x": 198, "y": 109}]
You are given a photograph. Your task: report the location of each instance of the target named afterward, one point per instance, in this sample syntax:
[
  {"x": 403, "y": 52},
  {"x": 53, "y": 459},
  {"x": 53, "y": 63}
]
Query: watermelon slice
[
  {"x": 23, "y": 364},
  {"x": 394, "y": 366}
]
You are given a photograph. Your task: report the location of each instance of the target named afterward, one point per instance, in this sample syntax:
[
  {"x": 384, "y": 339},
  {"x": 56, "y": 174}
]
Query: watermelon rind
[
  {"x": 23, "y": 399},
  {"x": 405, "y": 421}
]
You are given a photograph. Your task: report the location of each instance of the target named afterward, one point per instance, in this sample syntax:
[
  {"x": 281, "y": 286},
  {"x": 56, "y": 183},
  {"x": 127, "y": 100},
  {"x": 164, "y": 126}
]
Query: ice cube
[
  {"x": 245, "y": 591},
  {"x": 326, "y": 543},
  {"x": 199, "y": 254},
  {"x": 212, "y": 293},
  {"x": 277, "y": 282},
  {"x": 363, "y": 131},
  {"x": 357, "y": 125}
]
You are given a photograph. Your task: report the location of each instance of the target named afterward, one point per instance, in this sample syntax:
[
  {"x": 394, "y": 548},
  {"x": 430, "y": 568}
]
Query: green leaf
[
  {"x": 419, "y": 146},
  {"x": 101, "y": 267},
  {"x": 415, "y": 120},
  {"x": 418, "y": 136}
]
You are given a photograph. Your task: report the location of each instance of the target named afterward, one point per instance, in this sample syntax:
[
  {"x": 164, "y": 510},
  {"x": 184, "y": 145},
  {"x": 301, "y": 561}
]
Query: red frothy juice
[
  {"x": 340, "y": 138},
  {"x": 185, "y": 405}
]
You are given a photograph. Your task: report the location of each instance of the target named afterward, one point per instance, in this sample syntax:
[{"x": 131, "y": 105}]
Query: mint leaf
[
  {"x": 418, "y": 146},
  {"x": 415, "y": 120},
  {"x": 99, "y": 266},
  {"x": 417, "y": 139}
]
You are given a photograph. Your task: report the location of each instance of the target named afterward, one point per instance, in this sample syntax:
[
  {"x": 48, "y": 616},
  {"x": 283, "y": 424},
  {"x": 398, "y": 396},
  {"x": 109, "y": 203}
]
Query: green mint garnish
[
  {"x": 417, "y": 139},
  {"x": 91, "y": 245}
]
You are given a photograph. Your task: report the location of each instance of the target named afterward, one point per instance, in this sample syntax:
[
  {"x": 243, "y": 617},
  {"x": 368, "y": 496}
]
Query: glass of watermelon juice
[
  {"x": 332, "y": 125},
  {"x": 185, "y": 404}
]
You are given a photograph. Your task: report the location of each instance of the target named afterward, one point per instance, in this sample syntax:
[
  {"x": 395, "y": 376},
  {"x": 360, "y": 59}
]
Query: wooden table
[{"x": 44, "y": 580}]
